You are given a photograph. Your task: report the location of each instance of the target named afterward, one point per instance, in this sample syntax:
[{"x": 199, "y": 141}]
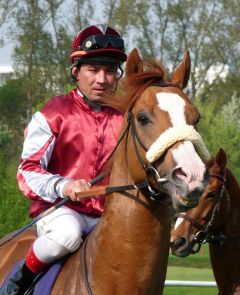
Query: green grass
[
  {"x": 189, "y": 274},
  {"x": 193, "y": 268},
  {"x": 199, "y": 260}
]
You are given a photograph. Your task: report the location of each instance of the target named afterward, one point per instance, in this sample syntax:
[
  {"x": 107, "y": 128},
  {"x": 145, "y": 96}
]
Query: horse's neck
[
  {"x": 225, "y": 257},
  {"x": 131, "y": 241},
  {"x": 233, "y": 189},
  {"x": 233, "y": 205}
]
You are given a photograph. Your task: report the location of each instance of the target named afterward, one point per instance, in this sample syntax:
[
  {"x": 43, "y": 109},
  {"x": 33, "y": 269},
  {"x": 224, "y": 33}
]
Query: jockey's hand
[{"x": 75, "y": 186}]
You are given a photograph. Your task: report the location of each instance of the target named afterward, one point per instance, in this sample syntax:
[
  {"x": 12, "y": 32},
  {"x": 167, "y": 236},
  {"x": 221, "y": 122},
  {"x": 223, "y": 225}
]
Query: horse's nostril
[
  {"x": 180, "y": 242},
  {"x": 179, "y": 173}
]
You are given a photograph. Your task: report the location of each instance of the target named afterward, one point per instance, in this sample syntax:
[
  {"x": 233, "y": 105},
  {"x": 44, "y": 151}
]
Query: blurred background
[{"x": 35, "y": 38}]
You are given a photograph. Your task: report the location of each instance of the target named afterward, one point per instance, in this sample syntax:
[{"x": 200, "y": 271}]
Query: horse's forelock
[
  {"x": 153, "y": 72},
  {"x": 131, "y": 87}
]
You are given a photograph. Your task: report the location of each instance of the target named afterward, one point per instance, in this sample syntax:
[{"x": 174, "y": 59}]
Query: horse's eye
[
  {"x": 212, "y": 194},
  {"x": 197, "y": 119},
  {"x": 142, "y": 119}
]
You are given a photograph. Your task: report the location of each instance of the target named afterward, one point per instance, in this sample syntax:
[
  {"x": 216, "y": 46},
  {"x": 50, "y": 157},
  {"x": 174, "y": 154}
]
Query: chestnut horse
[
  {"x": 216, "y": 220},
  {"x": 160, "y": 156}
]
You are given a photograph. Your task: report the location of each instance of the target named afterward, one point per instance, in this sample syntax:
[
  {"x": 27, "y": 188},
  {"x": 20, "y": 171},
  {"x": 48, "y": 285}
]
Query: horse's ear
[
  {"x": 221, "y": 158},
  {"x": 182, "y": 72},
  {"x": 134, "y": 63}
]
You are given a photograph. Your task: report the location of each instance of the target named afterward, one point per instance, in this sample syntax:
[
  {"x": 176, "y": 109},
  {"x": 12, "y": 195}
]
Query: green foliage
[
  {"x": 12, "y": 102},
  {"x": 13, "y": 205},
  {"x": 12, "y": 114},
  {"x": 220, "y": 123}
]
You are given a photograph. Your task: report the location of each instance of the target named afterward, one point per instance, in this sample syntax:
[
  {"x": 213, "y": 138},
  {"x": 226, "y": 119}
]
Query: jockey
[{"x": 66, "y": 145}]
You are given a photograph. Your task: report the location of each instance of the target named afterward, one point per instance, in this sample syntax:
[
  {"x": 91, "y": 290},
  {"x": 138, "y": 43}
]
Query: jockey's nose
[{"x": 101, "y": 77}]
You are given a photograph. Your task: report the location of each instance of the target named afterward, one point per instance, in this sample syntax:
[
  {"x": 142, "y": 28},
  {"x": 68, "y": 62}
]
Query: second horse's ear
[
  {"x": 182, "y": 73},
  {"x": 134, "y": 63},
  {"x": 221, "y": 158}
]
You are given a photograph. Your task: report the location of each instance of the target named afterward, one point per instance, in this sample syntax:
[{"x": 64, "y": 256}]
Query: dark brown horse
[
  {"x": 160, "y": 155},
  {"x": 216, "y": 220}
]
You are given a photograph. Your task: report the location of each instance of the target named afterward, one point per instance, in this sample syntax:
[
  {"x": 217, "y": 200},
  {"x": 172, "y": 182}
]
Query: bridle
[
  {"x": 153, "y": 194},
  {"x": 207, "y": 233},
  {"x": 150, "y": 170}
]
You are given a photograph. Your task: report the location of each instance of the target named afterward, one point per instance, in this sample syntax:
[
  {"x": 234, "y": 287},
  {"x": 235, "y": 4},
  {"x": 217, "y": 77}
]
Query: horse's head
[
  {"x": 191, "y": 228},
  {"x": 163, "y": 143}
]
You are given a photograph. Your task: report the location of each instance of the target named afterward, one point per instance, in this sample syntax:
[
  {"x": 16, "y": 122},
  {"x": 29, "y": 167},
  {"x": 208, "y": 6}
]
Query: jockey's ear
[
  {"x": 134, "y": 63},
  {"x": 182, "y": 73},
  {"x": 74, "y": 72}
]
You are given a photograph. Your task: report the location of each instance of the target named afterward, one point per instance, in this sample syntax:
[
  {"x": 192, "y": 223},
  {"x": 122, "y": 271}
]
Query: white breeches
[{"x": 60, "y": 233}]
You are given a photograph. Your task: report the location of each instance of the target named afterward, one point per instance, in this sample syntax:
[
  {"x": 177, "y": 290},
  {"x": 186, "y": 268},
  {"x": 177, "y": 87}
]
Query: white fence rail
[{"x": 190, "y": 283}]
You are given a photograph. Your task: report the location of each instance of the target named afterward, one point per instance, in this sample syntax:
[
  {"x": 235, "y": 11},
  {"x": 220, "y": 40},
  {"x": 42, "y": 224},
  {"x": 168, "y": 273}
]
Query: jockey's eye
[{"x": 142, "y": 119}]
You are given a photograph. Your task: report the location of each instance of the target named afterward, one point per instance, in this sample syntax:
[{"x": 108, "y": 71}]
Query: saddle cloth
[{"x": 45, "y": 282}]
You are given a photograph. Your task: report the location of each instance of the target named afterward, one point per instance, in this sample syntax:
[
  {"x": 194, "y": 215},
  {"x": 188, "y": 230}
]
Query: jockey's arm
[{"x": 33, "y": 178}]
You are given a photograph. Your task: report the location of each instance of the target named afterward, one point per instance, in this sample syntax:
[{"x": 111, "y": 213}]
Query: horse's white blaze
[
  {"x": 185, "y": 154},
  {"x": 174, "y": 105},
  {"x": 186, "y": 157},
  {"x": 191, "y": 167},
  {"x": 178, "y": 222}
]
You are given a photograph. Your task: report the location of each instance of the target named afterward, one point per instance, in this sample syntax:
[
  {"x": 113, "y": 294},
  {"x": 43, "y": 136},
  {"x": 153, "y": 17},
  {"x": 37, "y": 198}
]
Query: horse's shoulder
[{"x": 69, "y": 276}]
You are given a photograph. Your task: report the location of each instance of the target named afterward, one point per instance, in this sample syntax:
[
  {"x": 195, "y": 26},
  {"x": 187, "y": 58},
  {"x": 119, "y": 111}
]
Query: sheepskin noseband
[{"x": 173, "y": 135}]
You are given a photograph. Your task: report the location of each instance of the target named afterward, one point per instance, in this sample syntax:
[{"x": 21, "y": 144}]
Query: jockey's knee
[
  {"x": 52, "y": 245},
  {"x": 71, "y": 239},
  {"x": 64, "y": 228}
]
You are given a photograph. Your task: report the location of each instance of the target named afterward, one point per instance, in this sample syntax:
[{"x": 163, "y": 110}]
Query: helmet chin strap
[{"x": 94, "y": 105}]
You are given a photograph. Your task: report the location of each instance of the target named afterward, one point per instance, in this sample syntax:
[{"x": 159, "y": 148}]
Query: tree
[
  {"x": 165, "y": 29},
  {"x": 7, "y": 11},
  {"x": 81, "y": 15},
  {"x": 34, "y": 54},
  {"x": 219, "y": 105}
]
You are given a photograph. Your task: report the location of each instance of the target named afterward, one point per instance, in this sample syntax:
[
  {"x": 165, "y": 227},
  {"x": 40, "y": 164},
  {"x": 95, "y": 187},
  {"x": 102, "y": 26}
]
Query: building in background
[{"x": 6, "y": 72}]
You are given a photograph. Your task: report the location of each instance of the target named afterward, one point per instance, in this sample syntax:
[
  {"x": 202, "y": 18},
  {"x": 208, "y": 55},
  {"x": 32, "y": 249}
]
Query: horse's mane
[{"x": 131, "y": 86}]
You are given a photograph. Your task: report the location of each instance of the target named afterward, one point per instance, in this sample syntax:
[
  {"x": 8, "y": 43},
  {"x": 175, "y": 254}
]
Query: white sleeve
[{"x": 33, "y": 178}]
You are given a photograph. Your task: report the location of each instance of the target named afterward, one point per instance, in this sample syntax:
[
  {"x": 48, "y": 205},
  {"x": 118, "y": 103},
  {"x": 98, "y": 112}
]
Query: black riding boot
[{"x": 20, "y": 282}]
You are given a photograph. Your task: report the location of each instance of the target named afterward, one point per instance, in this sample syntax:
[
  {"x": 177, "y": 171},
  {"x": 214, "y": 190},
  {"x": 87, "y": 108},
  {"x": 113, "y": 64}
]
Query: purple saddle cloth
[{"x": 45, "y": 283}]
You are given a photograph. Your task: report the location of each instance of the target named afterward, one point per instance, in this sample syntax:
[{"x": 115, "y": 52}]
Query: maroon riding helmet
[{"x": 98, "y": 44}]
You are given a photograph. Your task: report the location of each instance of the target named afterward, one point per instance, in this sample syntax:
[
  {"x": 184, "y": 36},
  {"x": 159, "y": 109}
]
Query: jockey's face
[{"x": 95, "y": 80}]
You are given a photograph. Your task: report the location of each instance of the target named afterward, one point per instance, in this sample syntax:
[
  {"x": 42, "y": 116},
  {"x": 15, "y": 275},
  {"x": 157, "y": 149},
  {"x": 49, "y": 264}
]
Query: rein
[{"x": 206, "y": 235}]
